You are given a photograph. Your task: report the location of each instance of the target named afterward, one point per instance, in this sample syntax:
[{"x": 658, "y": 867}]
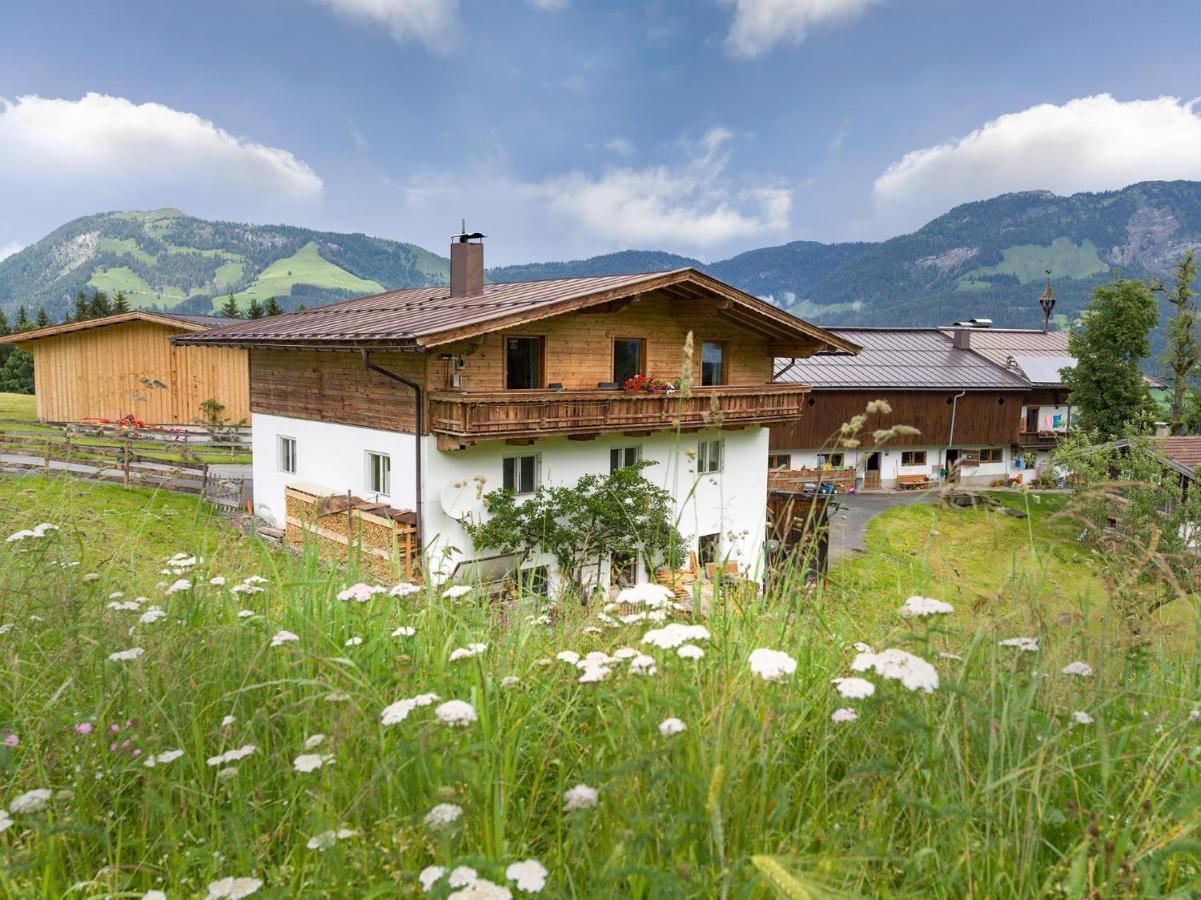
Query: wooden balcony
[
  {"x": 460, "y": 419},
  {"x": 1040, "y": 440}
]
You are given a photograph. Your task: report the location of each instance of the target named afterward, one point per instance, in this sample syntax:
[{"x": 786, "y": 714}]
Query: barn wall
[{"x": 132, "y": 368}]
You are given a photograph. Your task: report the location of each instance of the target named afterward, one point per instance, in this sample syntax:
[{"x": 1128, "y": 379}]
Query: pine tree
[
  {"x": 121, "y": 303},
  {"x": 272, "y": 308},
  {"x": 1107, "y": 385},
  {"x": 82, "y": 309},
  {"x": 4, "y": 329},
  {"x": 255, "y": 309},
  {"x": 42, "y": 320},
  {"x": 23, "y": 323},
  {"x": 1184, "y": 352},
  {"x": 230, "y": 308},
  {"x": 99, "y": 306}
]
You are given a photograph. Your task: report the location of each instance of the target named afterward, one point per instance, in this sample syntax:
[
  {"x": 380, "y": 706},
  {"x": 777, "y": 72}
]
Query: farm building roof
[
  {"x": 1180, "y": 452},
  {"x": 916, "y": 359},
  {"x": 430, "y": 316},
  {"x": 188, "y": 323}
]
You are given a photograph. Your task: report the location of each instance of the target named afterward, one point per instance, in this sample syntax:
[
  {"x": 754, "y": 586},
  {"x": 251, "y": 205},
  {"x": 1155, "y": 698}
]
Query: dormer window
[
  {"x": 629, "y": 359},
  {"x": 523, "y": 363}
]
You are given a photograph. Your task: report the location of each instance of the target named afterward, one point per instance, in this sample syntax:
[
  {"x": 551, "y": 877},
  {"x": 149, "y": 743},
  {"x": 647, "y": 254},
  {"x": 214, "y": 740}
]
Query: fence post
[
  {"x": 204, "y": 482},
  {"x": 125, "y": 463},
  {"x": 46, "y": 457}
]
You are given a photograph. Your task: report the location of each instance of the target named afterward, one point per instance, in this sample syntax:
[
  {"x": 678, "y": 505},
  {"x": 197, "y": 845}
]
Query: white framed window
[
  {"x": 286, "y": 455},
  {"x": 522, "y": 473},
  {"x": 379, "y": 473},
  {"x": 708, "y": 456},
  {"x": 620, "y": 457}
]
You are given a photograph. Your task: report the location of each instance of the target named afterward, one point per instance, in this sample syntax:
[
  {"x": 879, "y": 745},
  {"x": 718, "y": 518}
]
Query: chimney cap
[
  {"x": 973, "y": 323},
  {"x": 463, "y": 237}
]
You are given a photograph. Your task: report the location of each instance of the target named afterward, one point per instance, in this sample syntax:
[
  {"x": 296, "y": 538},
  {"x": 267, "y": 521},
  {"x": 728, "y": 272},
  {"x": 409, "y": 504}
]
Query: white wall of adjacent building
[
  {"x": 730, "y": 503},
  {"x": 897, "y": 461}
]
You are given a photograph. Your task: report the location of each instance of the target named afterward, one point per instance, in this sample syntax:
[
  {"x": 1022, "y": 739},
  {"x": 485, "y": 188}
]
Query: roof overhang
[{"x": 26, "y": 337}]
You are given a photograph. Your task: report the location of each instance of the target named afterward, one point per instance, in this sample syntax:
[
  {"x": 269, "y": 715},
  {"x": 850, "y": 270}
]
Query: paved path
[{"x": 848, "y": 525}]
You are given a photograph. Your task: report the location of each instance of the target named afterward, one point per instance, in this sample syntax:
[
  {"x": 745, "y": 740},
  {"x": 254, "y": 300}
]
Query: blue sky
[{"x": 564, "y": 128}]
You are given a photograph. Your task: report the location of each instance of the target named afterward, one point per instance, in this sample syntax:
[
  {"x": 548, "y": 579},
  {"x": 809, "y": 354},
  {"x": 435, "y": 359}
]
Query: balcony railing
[
  {"x": 530, "y": 414},
  {"x": 1040, "y": 440}
]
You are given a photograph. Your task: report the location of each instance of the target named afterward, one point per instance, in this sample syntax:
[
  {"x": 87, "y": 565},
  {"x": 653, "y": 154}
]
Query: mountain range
[{"x": 982, "y": 259}]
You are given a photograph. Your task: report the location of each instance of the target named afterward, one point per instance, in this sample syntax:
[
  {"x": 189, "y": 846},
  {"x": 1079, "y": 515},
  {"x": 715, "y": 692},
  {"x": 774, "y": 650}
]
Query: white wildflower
[
  {"x": 568, "y": 656},
  {"x": 404, "y": 589},
  {"x": 854, "y": 688},
  {"x": 529, "y": 875},
  {"x": 579, "y": 797},
  {"x": 467, "y": 652},
  {"x": 625, "y": 653},
  {"x": 846, "y": 714},
  {"x": 919, "y": 607},
  {"x": 312, "y": 743},
  {"x": 152, "y": 615},
  {"x": 1024, "y": 644},
  {"x": 456, "y": 590},
  {"x": 430, "y": 876},
  {"x": 510, "y": 681},
  {"x": 233, "y": 888},
  {"x": 898, "y": 665},
  {"x": 328, "y": 839},
  {"x": 360, "y": 592},
  {"x": 217, "y": 581},
  {"x": 396, "y": 712},
  {"x": 284, "y": 637},
  {"x": 672, "y": 726},
  {"x": 229, "y": 773},
  {"x": 353, "y": 641},
  {"x": 161, "y": 759},
  {"x": 231, "y": 755},
  {"x": 6, "y": 821},
  {"x": 643, "y": 665},
  {"x": 1082, "y": 718},
  {"x": 654, "y": 596},
  {"x": 481, "y": 889},
  {"x": 1081, "y": 669},
  {"x": 443, "y": 816},
  {"x": 690, "y": 651},
  {"x": 125, "y": 655},
  {"x": 671, "y": 636},
  {"x": 310, "y": 762},
  {"x": 593, "y": 674},
  {"x": 456, "y": 713},
  {"x": 227, "y": 721},
  {"x": 771, "y": 665},
  {"x": 182, "y": 584},
  {"x": 462, "y": 876},
  {"x": 31, "y": 801},
  {"x": 245, "y": 613},
  {"x": 404, "y": 631}
]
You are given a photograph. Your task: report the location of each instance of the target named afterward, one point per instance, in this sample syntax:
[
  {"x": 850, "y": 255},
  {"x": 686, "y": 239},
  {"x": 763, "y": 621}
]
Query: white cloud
[
  {"x": 7, "y": 250},
  {"x": 761, "y": 24},
  {"x": 64, "y": 158},
  {"x": 621, "y": 146},
  {"x": 429, "y": 22},
  {"x": 1089, "y": 144},
  {"x": 692, "y": 205}
]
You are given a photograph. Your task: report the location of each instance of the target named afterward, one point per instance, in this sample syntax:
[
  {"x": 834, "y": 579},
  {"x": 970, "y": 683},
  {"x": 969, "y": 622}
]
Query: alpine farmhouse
[{"x": 424, "y": 399}]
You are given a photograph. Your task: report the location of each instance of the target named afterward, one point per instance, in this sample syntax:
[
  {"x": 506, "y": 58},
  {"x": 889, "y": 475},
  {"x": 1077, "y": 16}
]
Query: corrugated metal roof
[
  {"x": 1044, "y": 370},
  {"x": 904, "y": 358},
  {"x": 429, "y": 316}
]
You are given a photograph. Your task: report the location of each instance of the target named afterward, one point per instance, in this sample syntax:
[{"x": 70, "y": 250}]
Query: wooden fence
[
  {"x": 235, "y": 439},
  {"x": 343, "y": 527}
]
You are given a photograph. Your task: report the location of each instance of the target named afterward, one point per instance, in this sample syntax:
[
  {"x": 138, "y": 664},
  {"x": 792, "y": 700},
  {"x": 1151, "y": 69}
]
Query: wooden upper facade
[
  {"x": 125, "y": 364},
  {"x": 555, "y": 369}
]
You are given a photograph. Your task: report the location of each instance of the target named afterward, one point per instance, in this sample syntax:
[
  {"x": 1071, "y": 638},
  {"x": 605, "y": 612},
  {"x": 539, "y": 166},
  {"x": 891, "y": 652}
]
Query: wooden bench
[{"x": 912, "y": 482}]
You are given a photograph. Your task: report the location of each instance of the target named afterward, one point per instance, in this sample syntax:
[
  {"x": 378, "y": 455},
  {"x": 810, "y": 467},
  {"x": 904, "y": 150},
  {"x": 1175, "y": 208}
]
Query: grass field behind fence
[{"x": 1008, "y": 779}]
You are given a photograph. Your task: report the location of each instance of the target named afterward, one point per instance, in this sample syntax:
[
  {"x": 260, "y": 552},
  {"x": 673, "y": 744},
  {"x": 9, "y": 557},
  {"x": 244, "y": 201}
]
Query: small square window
[
  {"x": 379, "y": 473},
  {"x": 708, "y": 549},
  {"x": 521, "y": 473},
  {"x": 779, "y": 461},
  {"x": 287, "y": 455},
  {"x": 623, "y": 570},
  {"x": 713, "y": 363},
  {"x": 913, "y": 457},
  {"x": 708, "y": 457},
  {"x": 620, "y": 457}
]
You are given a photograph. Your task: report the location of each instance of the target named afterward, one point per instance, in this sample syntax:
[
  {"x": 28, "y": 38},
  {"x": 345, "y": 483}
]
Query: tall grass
[{"x": 985, "y": 787}]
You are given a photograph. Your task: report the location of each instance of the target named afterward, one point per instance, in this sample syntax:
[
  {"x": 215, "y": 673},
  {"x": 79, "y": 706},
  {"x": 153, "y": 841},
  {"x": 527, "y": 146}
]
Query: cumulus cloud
[
  {"x": 63, "y": 158},
  {"x": 692, "y": 204},
  {"x": 1088, "y": 144},
  {"x": 7, "y": 250},
  {"x": 428, "y": 22},
  {"x": 761, "y": 24}
]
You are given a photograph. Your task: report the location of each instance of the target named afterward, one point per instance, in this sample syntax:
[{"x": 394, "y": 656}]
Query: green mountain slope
[{"x": 168, "y": 260}]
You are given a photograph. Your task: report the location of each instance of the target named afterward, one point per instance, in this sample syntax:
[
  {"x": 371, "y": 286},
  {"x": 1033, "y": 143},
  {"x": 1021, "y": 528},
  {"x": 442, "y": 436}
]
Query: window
[
  {"x": 523, "y": 363},
  {"x": 620, "y": 457},
  {"x": 287, "y": 455},
  {"x": 379, "y": 473},
  {"x": 991, "y": 454},
  {"x": 629, "y": 359},
  {"x": 708, "y": 457},
  {"x": 623, "y": 570},
  {"x": 779, "y": 461},
  {"x": 534, "y": 581},
  {"x": 521, "y": 473},
  {"x": 708, "y": 547},
  {"x": 833, "y": 460},
  {"x": 713, "y": 363},
  {"x": 913, "y": 457}
]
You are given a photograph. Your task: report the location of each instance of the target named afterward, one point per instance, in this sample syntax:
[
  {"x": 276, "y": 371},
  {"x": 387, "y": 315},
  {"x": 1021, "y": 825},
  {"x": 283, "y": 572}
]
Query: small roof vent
[{"x": 974, "y": 323}]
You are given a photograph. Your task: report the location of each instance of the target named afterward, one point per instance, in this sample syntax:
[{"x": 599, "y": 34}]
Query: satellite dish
[{"x": 463, "y": 499}]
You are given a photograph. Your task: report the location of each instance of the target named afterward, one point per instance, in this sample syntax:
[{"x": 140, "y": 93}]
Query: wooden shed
[{"x": 125, "y": 364}]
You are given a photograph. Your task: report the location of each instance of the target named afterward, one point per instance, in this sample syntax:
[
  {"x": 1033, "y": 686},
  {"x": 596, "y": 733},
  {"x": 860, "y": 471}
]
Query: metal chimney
[
  {"x": 963, "y": 338},
  {"x": 466, "y": 263}
]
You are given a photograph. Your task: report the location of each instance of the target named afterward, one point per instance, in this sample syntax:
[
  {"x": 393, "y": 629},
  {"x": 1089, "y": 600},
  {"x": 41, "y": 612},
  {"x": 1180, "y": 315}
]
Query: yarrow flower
[
  {"x": 361, "y": 592},
  {"x": 233, "y": 888},
  {"x": 231, "y": 755},
  {"x": 529, "y": 875},
  {"x": 284, "y": 637},
  {"x": 643, "y": 665},
  {"x": 845, "y": 714},
  {"x": 6, "y": 821},
  {"x": 1082, "y": 718},
  {"x": 655, "y": 596},
  {"x": 899, "y": 665},
  {"x": 771, "y": 665},
  {"x": 152, "y": 615},
  {"x": 1024, "y": 644},
  {"x": 854, "y": 688},
  {"x": 671, "y": 636},
  {"x": 310, "y": 762},
  {"x": 399, "y": 711},
  {"x": 404, "y": 631},
  {"x": 353, "y": 641},
  {"x": 1080, "y": 669},
  {"x": 36, "y": 532},
  {"x": 690, "y": 651},
  {"x": 404, "y": 589},
  {"x": 182, "y": 584},
  {"x": 161, "y": 759},
  {"x": 568, "y": 656},
  {"x": 467, "y": 652},
  {"x": 430, "y": 876},
  {"x": 328, "y": 839},
  {"x": 457, "y": 590},
  {"x": 126, "y": 655},
  {"x": 31, "y": 801},
  {"x": 443, "y": 816},
  {"x": 579, "y": 797},
  {"x": 671, "y": 727},
  {"x": 920, "y": 607},
  {"x": 456, "y": 713}
]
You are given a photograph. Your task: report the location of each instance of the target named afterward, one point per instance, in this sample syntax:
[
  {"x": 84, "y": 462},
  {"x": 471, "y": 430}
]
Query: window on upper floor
[
  {"x": 713, "y": 363},
  {"x": 523, "y": 363},
  {"x": 287, "y": 455},
  {"x": 620, "y": 457},
  {"x": 708, "y": 456},
  {"x": 379, "y": 473},
  {"x": 629, "y": 359},
  {"x": 522, "y": 473}
]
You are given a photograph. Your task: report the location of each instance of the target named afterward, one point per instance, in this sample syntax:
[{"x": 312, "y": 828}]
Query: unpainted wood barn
[{"x": 125, "y": 364}]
